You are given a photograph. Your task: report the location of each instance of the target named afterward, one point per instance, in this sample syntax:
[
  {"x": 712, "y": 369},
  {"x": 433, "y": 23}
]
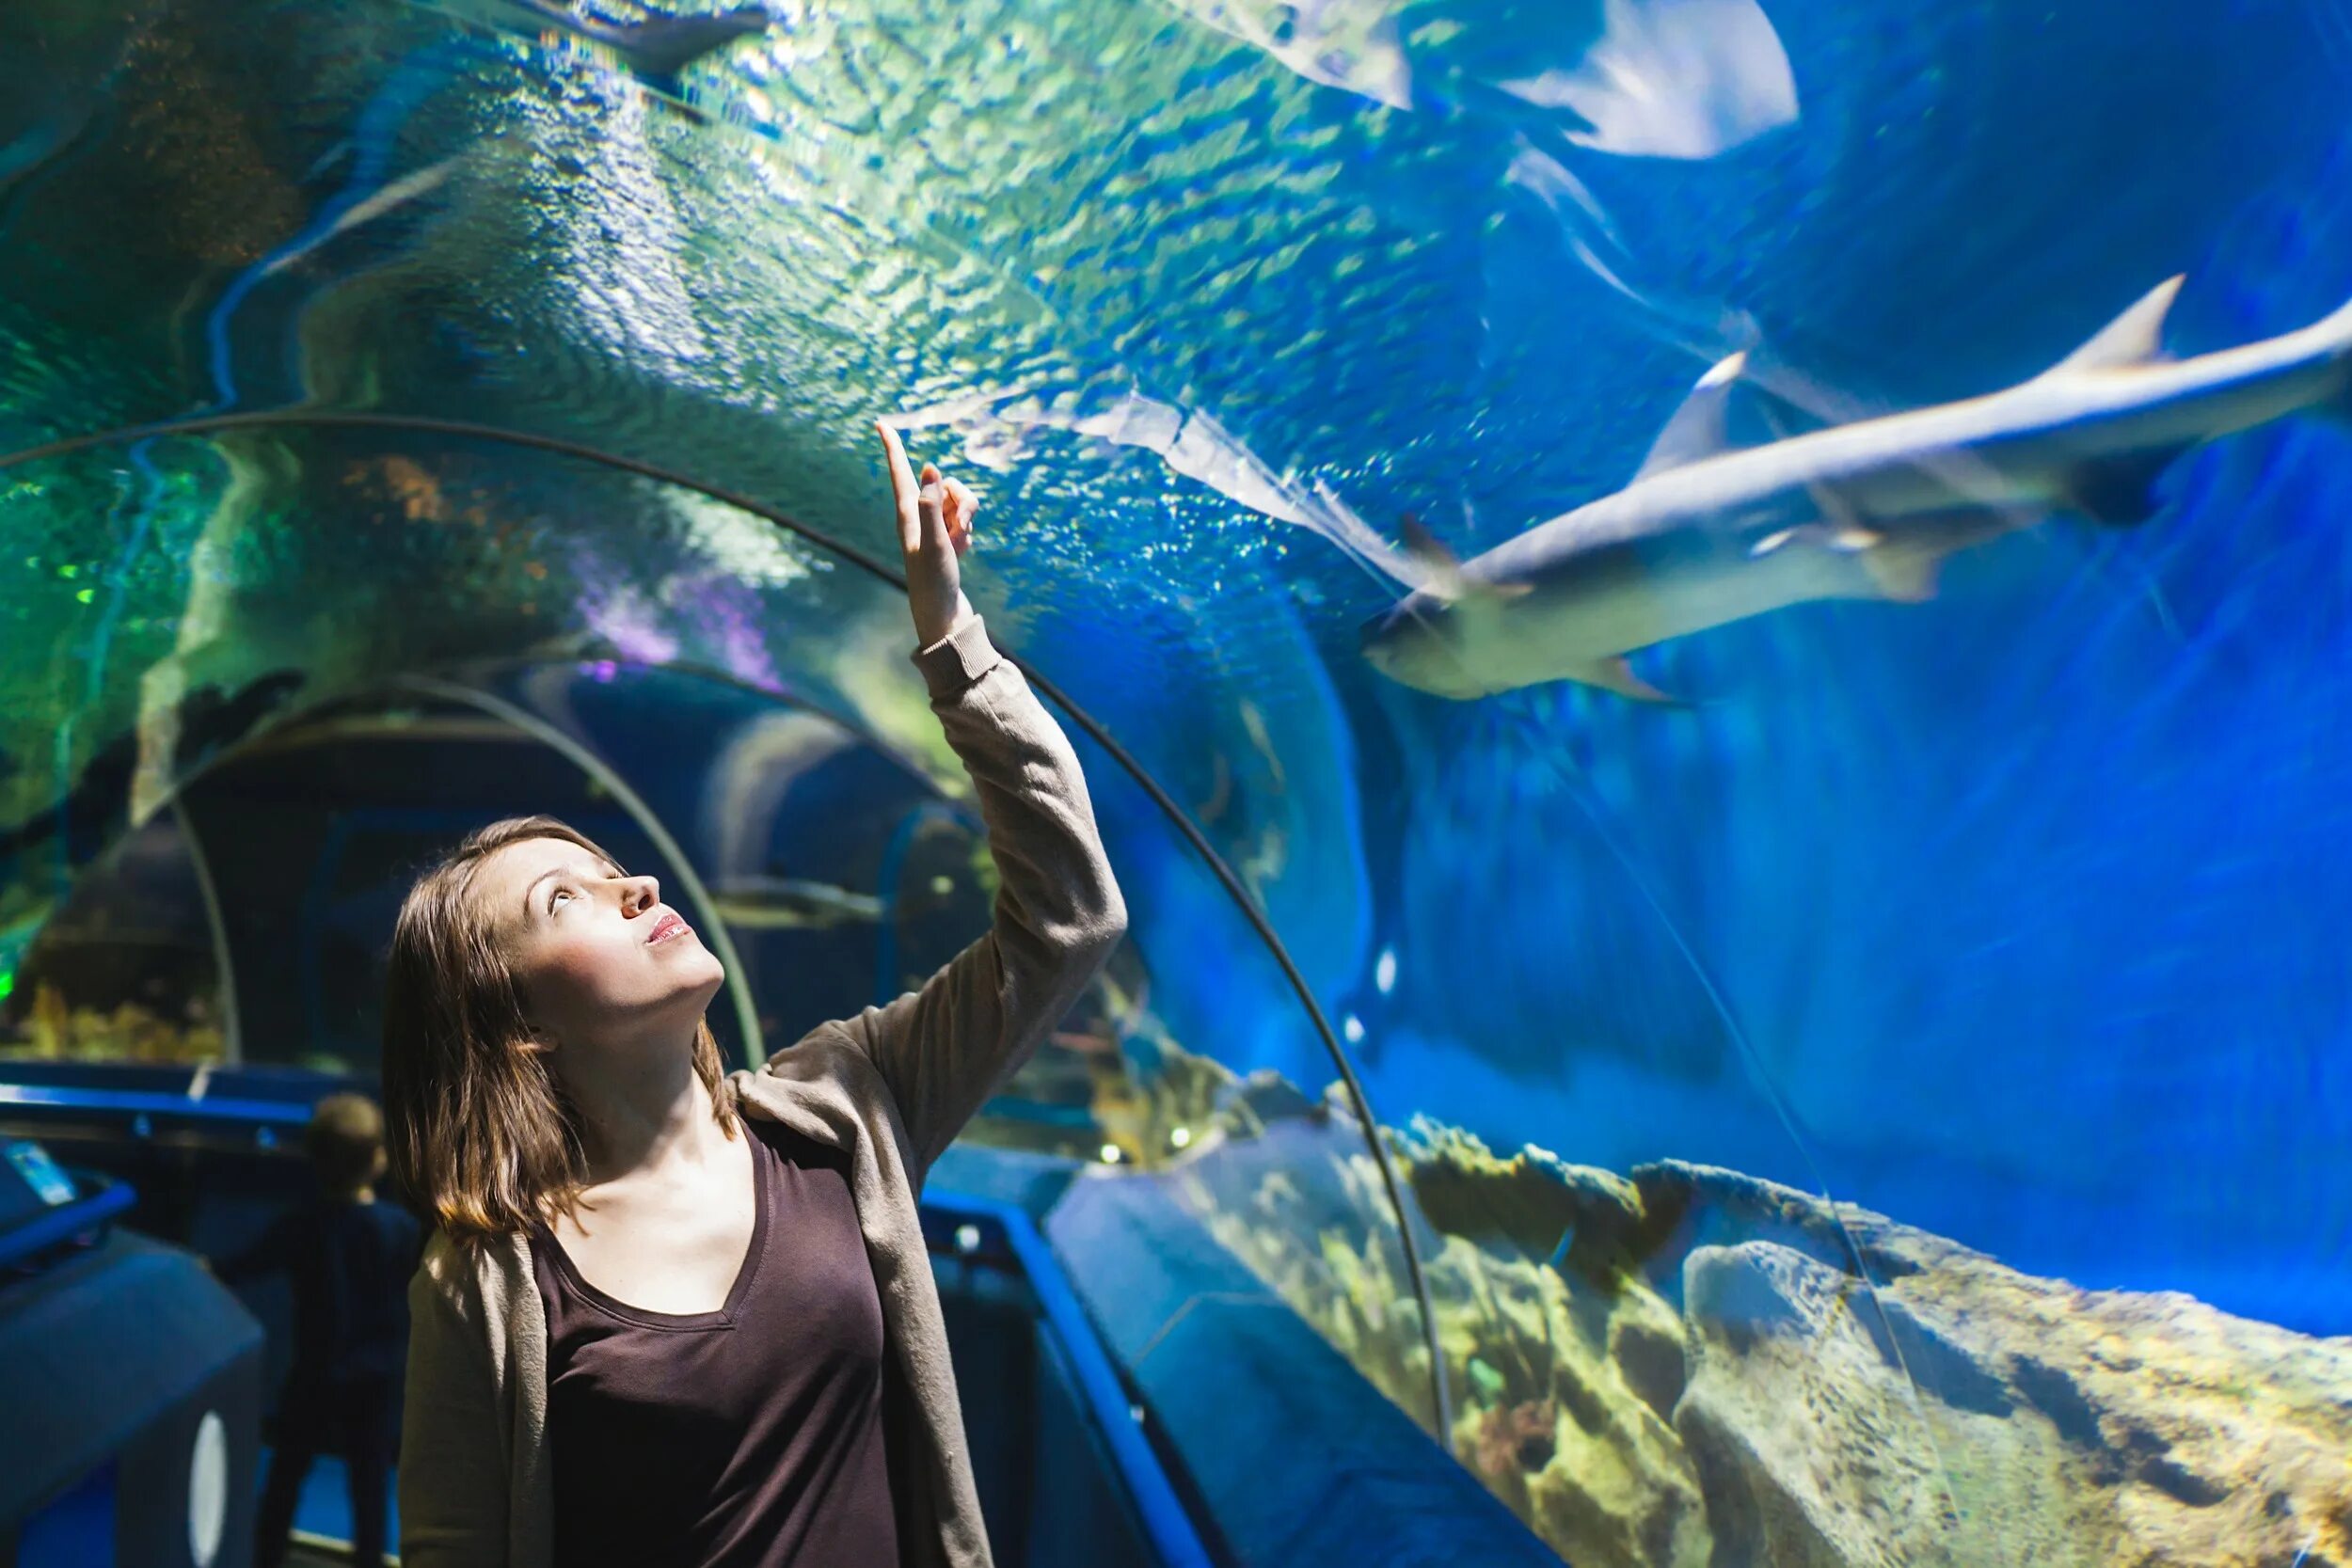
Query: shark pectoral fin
[
  {"x": 1615, "y": 674},
  {"x": 1842, "y": 529},
  {"x": 2117, "y": 491},
  {"x": 1697, "y": 429},
  {"x": 1903, "y": 575},
  {"x": 1845, "y": 538},
  {"x": 2133, "y": 338}
]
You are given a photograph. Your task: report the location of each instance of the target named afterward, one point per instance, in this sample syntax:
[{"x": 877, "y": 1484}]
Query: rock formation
[{"x": 1684, "y": 1366}]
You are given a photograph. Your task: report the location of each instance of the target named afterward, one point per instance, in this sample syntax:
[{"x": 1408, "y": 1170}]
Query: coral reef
[
  {"x": 1684, "y": 1366},
  {"x": 53, "y": 1029}
]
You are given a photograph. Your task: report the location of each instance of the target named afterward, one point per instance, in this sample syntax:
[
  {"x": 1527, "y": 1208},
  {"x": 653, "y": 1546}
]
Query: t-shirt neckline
[{"x": 646, "y": 1317}]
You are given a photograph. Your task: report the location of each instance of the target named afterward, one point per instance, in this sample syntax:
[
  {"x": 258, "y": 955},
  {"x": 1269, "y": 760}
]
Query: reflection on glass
[
  {"x": 1890, "y": 1109},
  {"x": 127, "y": 970}
]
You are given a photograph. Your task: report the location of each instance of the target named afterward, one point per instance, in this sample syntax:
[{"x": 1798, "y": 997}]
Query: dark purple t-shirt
[{"x": 749, "y": 1437}]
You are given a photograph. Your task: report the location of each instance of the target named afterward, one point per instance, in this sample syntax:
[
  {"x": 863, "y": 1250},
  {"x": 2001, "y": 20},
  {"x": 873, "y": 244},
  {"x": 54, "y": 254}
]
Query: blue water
[
  {"x": 2015, "y": 915},
  {"x": 2024, "y": 903}
]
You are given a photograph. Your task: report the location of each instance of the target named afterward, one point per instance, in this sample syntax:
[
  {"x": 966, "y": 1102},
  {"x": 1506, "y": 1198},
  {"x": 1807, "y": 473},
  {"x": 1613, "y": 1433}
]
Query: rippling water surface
[{"x": 2013, "y": 916}]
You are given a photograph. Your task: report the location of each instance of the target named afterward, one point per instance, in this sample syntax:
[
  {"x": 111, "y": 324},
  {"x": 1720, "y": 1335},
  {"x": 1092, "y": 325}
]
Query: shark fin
[
  {"x": 660, "y": 48},
  {"x": 2118, "y": 491},
  {"x": 1904, "y": 577},
  {"x": 1615, "y": 674},
  {"x": 1845, "y": 538},
  {"x": 1696, "y": 430},
  {"x": 1425, "y": 546},
  {"x": 663, "y": 47},
  {"x": 2133, "y": 338},
  {"x": 1444, "y": 567}
]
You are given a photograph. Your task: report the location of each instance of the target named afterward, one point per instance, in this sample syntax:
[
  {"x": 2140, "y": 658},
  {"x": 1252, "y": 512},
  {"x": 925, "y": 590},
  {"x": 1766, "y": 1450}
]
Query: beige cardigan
[{"x": 892, "y": 1085}]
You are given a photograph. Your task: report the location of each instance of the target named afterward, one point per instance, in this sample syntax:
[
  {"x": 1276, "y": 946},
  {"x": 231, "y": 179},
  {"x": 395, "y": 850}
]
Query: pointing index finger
[{"x": 902, "y": 486}]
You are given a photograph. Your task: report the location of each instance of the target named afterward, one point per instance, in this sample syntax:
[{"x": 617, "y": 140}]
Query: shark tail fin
[
  {"x": 1616, "y": 675},
  {"x": 659, "y": 50}
]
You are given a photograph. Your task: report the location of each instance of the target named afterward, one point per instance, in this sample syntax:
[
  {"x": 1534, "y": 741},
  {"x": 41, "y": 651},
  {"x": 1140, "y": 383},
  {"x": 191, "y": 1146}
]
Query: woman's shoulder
[
  {"x": 824, "y": 1064},
  {"x": 466, "y": 1272}
]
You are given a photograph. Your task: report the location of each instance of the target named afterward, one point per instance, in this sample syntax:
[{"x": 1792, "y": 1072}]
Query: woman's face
[{"x": 599, "y": 957}]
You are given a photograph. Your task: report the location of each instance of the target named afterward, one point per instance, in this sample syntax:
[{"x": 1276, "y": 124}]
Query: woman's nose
[{"x": 642, "y": 894}]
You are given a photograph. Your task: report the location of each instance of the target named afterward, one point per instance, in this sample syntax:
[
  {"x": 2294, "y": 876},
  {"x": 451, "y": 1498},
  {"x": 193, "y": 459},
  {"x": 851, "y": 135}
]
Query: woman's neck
[{"x": 642, "y": 1113}]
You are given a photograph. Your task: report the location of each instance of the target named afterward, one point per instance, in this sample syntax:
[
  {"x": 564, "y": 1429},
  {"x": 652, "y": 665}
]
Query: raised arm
[{"x": 944, "y": 1049}]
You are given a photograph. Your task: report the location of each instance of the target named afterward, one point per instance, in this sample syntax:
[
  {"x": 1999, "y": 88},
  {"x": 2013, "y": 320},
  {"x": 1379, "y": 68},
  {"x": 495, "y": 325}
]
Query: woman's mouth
[{"x": 666, "y": 927}]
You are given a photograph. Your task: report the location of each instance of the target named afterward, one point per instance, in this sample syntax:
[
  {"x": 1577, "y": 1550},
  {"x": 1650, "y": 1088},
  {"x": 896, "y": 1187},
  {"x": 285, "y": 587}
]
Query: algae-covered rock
[
  {"x": 1685, "y": 1367},
  {"x": 1533, "y": 1202},
  {"x": 1958, "y": 1411},
  {"x": 1559, "y": 1425},
  {"x": 1808, "y": 1451}
]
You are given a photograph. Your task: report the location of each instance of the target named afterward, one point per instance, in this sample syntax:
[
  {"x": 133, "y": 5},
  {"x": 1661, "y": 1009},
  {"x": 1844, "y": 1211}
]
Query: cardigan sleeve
[
  {"x": 453, "y": 1474},
  {"x": 944, "y": 1049}
]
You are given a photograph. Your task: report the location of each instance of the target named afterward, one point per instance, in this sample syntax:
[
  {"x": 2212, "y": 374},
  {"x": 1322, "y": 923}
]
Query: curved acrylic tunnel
[{"x": 1886, "y": 1111}]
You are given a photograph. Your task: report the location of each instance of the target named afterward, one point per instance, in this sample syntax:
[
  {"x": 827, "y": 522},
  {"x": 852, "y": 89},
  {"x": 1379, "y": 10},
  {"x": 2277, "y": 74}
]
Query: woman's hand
[{"x": 935, "y": 527}]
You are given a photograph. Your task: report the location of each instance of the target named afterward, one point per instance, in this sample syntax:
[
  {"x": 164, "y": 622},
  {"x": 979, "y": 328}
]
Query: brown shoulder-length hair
[{"x": 479, "y": 1134}]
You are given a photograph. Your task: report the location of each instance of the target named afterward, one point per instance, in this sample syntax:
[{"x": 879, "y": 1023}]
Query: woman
[{"x": 675, "y": 1317}]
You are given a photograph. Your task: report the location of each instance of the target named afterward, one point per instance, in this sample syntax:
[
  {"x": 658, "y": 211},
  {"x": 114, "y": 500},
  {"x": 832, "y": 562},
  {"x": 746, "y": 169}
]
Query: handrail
[
  {"x": 155, "y": 1102},
  {"x": 47, "y": 1228},
  {"x": 1163, "y": 1515}
]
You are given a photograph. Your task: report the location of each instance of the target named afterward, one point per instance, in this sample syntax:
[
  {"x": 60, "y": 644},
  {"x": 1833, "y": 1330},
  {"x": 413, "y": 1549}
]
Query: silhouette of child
[{"x": 349, "y": 1258}]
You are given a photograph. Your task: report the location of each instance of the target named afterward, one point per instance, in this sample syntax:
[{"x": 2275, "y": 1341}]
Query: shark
[
  {"x": 1708, "y": 532},
  {"x": 657, "y": 50}
]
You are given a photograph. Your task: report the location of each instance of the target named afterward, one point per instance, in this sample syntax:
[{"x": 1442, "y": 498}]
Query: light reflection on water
[{"x": 2008, "y": 916}]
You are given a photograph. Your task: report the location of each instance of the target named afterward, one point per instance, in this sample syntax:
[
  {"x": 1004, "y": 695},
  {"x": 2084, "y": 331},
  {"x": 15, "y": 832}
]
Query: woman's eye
[{"x": 558, "y": 893}]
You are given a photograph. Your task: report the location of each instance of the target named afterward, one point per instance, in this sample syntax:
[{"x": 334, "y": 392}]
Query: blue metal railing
[
  {"x": 1164, "y": 1518},
  {"x": 67, "y": 1220},
  {"x": 155, "y": 1103}
]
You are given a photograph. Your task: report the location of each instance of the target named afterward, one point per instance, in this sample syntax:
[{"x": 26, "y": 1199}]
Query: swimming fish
[
  {"x": 1644, "y": 78},
  {"x": 654, "y": 50},
  {"x": 1707, "y": 533},
  {"x": 1346, "y": 44}
]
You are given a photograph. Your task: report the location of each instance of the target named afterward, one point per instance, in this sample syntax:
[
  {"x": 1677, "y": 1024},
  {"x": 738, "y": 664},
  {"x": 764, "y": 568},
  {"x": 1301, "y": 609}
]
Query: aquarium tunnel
[{"x": 1710, "y": 640}]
